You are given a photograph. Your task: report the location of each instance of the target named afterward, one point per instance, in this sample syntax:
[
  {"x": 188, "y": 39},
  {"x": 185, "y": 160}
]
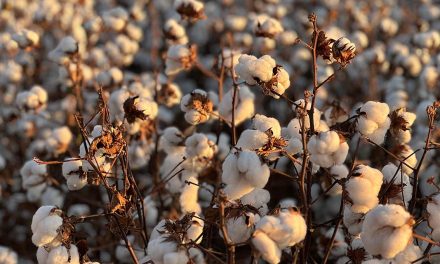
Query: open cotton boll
[
  {"x": 195, "y": 231},
  {"x": 401, "y": 122},
  {"x": 45, "y": 224},
  {"x": 198, "y": 145},
  {"x": 363, "y": 188},
  {"x": 353, "y": 221},
  {"x": 433, "y": 208},
  {"x": 316, "y": 115},
  {"x": 59, "y": 255},
  {"x": 258, "y": 198},
  {"x": 115, "y": 18},
  {"x": 175, "y": 32},
  {"x": 339, "y": 245},
  {"x": 26, "y": 38},
  {"x": 338, "y": 172},
  {"x": 327, "y": 149},
  {"x": 264, "y": 123},
  {"x": 189, "y": 197},
  {"x": 171, "y": 138},
  {"x": 52, "y": 196},
  {"x": 72, "y": 171},
  {"x": 252, "y": 139},
  {"x": 66, "y": 48},
  {"x": 240, "y": 227},
  {"x": 179, "y": 58},
  {"x": 198, "y": 106},
  {"x": 150, "y": 211},
  {"x": 269, "y": 27},
  {"x": 265, "y": 246},
  {"x": 406, "y": 153},
  {"x": 374, "y": 121},
  {"x": 230, "y": 58},
  {"x": 33, "y": 100},
  {"x": 8, "y": 256},
  {"x": 409, "y": 255},
  {"x": 243, "y": 172},
  {"x": 33, "y": 176},
  {"x": 244, "y": 105},
  {"x": 398, "y": 185},
  {"x": 389, "y": 26},
  {"x": 387, "y": 230},
  {"x": 171, "y": 165},
  {"x": 252, "y": 69},
  {"x": 189, "y": 9}
]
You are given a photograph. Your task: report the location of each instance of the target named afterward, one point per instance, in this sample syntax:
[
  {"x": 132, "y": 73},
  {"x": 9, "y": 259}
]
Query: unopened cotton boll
[
  {"x": 243, "y": 172},
  {"x": 72, "y": 171},
  {"x": 45, "y": 224},
  {"x": 327, "y": 149},
  {"x": 67, "y": 47},
  {"x": 8, "y": 256},
  {"x": 387, "y": 230},
  {"x": 363, "y": 188},
  {"x": 374, "y": 121},
  {"x": 433, "y": 208}
]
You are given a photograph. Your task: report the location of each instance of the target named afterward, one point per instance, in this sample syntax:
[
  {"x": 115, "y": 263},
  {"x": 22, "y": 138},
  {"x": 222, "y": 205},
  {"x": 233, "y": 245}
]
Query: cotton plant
[
  {"x": 263, "y": 71},
  {"x": 275, "y": 233}
]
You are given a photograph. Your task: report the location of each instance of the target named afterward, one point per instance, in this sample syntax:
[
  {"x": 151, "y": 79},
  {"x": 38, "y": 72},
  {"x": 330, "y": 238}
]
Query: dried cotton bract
[
  {"x": 264, "y": 71},
  {"x": 387, "y": 230}
]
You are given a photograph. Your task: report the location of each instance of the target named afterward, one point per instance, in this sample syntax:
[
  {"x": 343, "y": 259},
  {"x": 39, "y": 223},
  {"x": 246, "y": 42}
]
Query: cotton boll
[
  {"x": 26, "y": 38},
  {"x": 179, "y": 57},
  {"x": 353, "y": 221},
  {"x": 406, "y": 153},
  {"x": 339, "y": 172},
  {"x": 387, "y": 230},
  {"x": 195, "y": 231},
  {"x": 269, "y": 27},
  {"x": 394, "y": 178},
  {"x": 63, "y": 255},
  {"x": 198, "y": 145},
  {"x": 72, "y": 171},
  {"x": 264, "y": 123},
  {"x": 67, "y": 47},
  {"x": 409, "y": 255},
  {"x": 243, "y": 172},
  {"x": 252, "y": 139},
  {"x": 8, "y": 256},
  {"x": 412, "y": 65},
  {"x": 301, "y": 105},
  {"x": 258, "y": 198},
  {"x": 374, "y": 121},
  {"x": 198, "y": 106},
  {"x": 433, "y": 209},
  {"x": 266, "y": 247},
  {"x": 244, "y": 105},
  {"x": 327, "y": 149},
  {"x": 171, "y": 138},
  {"x": 33, "y": 177},
  {"x": 240, "y": 228},
  {"x": 189, "y": 197},
  {"x": 151, "y": 212},
  {"x": 397, "y": 99},
  {"x": 52, "y": 196},
  {"x": 190, "y": 9},
  {"x": 363, "y": 188},
  {"x": 389, "y": 26},
  {"x": 115, "y": 18},
  {"x": 33, "y": 100},
  {"x": 45, "y": 224},
  {"x": 339, "y": 245},
  {"x": 175, "y": 32}
]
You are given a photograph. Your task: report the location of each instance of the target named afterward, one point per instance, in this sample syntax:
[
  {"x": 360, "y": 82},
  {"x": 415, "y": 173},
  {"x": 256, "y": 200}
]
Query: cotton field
[{"x": 219, "y": 131}]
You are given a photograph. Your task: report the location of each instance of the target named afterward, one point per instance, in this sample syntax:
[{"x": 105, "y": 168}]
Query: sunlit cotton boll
[
  {"x": 8, "y": 256},
  {"x": 58, "y": 255},
  {"x": 387, "y": 230},
  {"x": 374, "y": 121},
  {"x": 67, "y": 47},
  {"x": 363, "y": 188},
  {"x": 179, "y": 58},
  {"x": 33, "y": 100},
  {"x": 75, "y": 177},
  {"x": 243, "y": 172},
  {"x": 328, "y": 149},
  {"x": 33, "y": 177},
  {"x": 45, "y": 224},
  {"x": 198, "y": 106}
]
